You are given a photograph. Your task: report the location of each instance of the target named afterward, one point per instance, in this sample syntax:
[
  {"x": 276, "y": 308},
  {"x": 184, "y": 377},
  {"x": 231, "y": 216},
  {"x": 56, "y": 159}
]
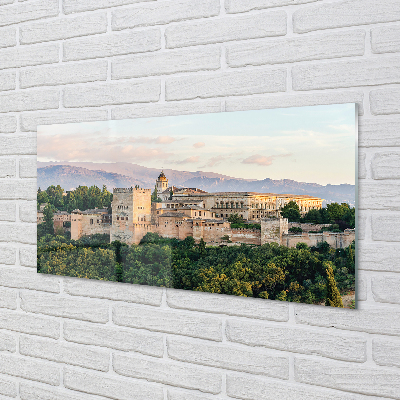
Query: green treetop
[{"x": 333, "y": 298}]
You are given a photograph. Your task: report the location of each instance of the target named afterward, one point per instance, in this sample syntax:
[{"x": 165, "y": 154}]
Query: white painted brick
[
  {"x": 228, "y": 357},
  {"x": 23, "y": 56},
  {"x": 237, "y": 6},
  {"x": 167, "y": 372},
  {"x": 21, "y": 12},
  {"x": 7, "y": 79},
  {"x": 311, "y": 47},
  {"x": 167, "y": 63},
  {"x": 385, "y": 39},
  {"x": 296, "y": 100},
  {"x": 379, "y": 257},
  {"x": 7, "y": 342},
  {"x": 361, "y": 288},
  {"x": 386, "y": 289},
  {"x": 30, "y": 121},
  {"x": 231, "y": 305},
  {"x": 4, "y": 2},
  {"x": 26, "y": 100},
  {"x": 113, "y": 93},
  {"x": 18, "y": 189},
  {"x": 64, "y": 74},
  {"x": 343, "y": 376},
  {"x": 139, "y": 341},
  {"x": 298, "y": 340},
  {"x": 72, "y": 6},
  {"x": 7, "y": 253},
  {"x": 114, "y": 291},
  {"x": 163, "y": 12},
  {"x": 386, "y": 165},
  {"x": 23, "y": 278},
  {"x": 111, "y": 387},
  {"x": 378, "y": 195},
  {"x": 386, "y": 351},
  {"x": 8, "y": 168},
  {"x": 378, "y": 320},
  {"x": 226, "y": 84},
  {"x": 18, "y": 233},
  {"x": 189, "y": 395},
  {"x": 28, "y": 368},
  {"x": 87, "y": 310},
  {"x": 8, "y": 37},
  {"x": 362, "y": 170},
  {"x": 225, "y": 29},
  {"x": 166, "y": 109},
  {"x": 346, "y": 73},
  {"x": 385, "y": 101},
  {"x": 7, "y": 213},
  {"x": 30, "y": 324},
  {"x": 112, "y": 44},
  {"x": 27, "y": 256},
  {"x": 8, "y": 388},
  {"x": 8, "y": 299},
  {"x": 14, "y": 145},
  {"x": 248, "y": 387},
  {"x": 385, "y": 227},
  {"x": 28, "y": 169},
  {"x": 163, "y": 320},
  {"x": 8, "y": 124},
  {"x": 63, "y": 28},
  {"x": 345, "y": 13},
  {"x": 66, "y": 353},
  {"x": 377, "y": 132}
]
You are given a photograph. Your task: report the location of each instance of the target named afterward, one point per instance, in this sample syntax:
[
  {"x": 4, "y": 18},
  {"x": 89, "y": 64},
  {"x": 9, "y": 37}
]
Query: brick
[
  {"x": 7, "y": 213},
  {"x": 86, "y": 310},
  {"x": 226, "y": 29},
  {"x": 315, "y": 47},
  {"x": 386, "y": 289},
  {"x": 296, "y": 100},
  {"x": 114, "y": 93},
  {"x": 8, "y": 299},
  {"x": 66, "y": 353},
  {"x": 8, "y": 388},
  {"x": 112, "y": 44},
  {"x": 73, "y": 6},
  {"x": 342, "y": 376},
  {"x": 64, "y": 74},
  {"x": 385, "y": 165},
  {"x": 7, "y": 79},
  {"x": 7, "y": 342},
  {"x": 23, "y": 56},
  {"x": 237, "y": 6},
  {"x": 186, "y": 395},
  {"x": 27, "y": 211},
  {"x": 7, "y": 168},
  {"x": 349, "y": 73},
  {"x": 166, "y": 109},
  {"x": 31, "y": 10},
  {"x": 139, "y": 341},
  {"x": 21, "y": 144},
  {"x": 385, "y": 227},
  {"x": 379, "y": 257},
  {"x": 228, "y": 357},
  {"x": 167, "y": 372},
  {"x": 168, "y": 321},
  {"x": 23, "y": 278},
  {"x": 298, "y": 340},
  {"x": 27, "y": 368},
  {"x": 344, "y": 13},
  {"x": 362, "y": 221},
  {"x": 30, "y": 121},
  {"x": 385, "y": 101},
  {"x": 163, "y": 13},
  {"x": 18, "y": 189},
  {"x": 27, "y": 168},
  {"x": 378, "y": 132},
  {"x": 376, "y": 320},
  {"x": 247, "y": 387},
  {"x": 114, "y": 291},
  {"x": 27, "y": 256},
  {"x": 231, "y": 305},
  {"x": 8, "y": 37},
  {"x": 385, "y": 39},
  {"x": 378, "y": 195},
  {"x": 18, "y": 233},
  {"x": 63, "y": 28},
  {"x": 7, "y": 254},
  {"x": 386, "y": 352},
  {"x": 30, "y": 324},
  {"x": 29, "y": 100},
  {"x": 362, "y": 170},
  {"x": 4, "y": 2},
  {"x": 111, "y": 387},
  {"x": 226, "y": 84},
  {"x": 361, "y": 287},
  {"x": 167, "y": 63},
  {"x": 8, "y": 124}
]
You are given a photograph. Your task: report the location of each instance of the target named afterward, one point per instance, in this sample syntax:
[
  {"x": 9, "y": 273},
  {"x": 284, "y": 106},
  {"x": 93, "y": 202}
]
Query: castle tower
[{"x": 161, "y": 183}]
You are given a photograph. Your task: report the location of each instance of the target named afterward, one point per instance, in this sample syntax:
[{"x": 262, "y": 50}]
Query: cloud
[
  {"x": 189, "y": 160},
  {"x": 260, "y": 160},
  {"x": 198, "y": 145},
  {"x": 213, "y": 161},
  {"x": 156, "y": 140}
]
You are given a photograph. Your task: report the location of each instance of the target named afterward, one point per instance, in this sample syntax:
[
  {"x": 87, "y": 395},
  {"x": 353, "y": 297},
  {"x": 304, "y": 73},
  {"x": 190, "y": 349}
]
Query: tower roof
[{"x": 162, "y": 177}]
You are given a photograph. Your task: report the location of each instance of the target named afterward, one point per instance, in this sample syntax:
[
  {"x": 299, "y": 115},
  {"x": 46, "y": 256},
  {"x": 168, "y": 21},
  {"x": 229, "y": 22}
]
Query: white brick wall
[{"x": 72, "y": 61}]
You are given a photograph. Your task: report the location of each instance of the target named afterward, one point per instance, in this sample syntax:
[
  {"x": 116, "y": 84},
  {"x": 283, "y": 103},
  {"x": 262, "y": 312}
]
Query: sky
[{"x": 307, "y": 144}]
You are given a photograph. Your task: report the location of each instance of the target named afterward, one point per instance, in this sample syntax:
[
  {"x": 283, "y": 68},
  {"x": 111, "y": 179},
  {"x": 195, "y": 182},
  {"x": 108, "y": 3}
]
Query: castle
[{"x": 183, "y": 212}]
